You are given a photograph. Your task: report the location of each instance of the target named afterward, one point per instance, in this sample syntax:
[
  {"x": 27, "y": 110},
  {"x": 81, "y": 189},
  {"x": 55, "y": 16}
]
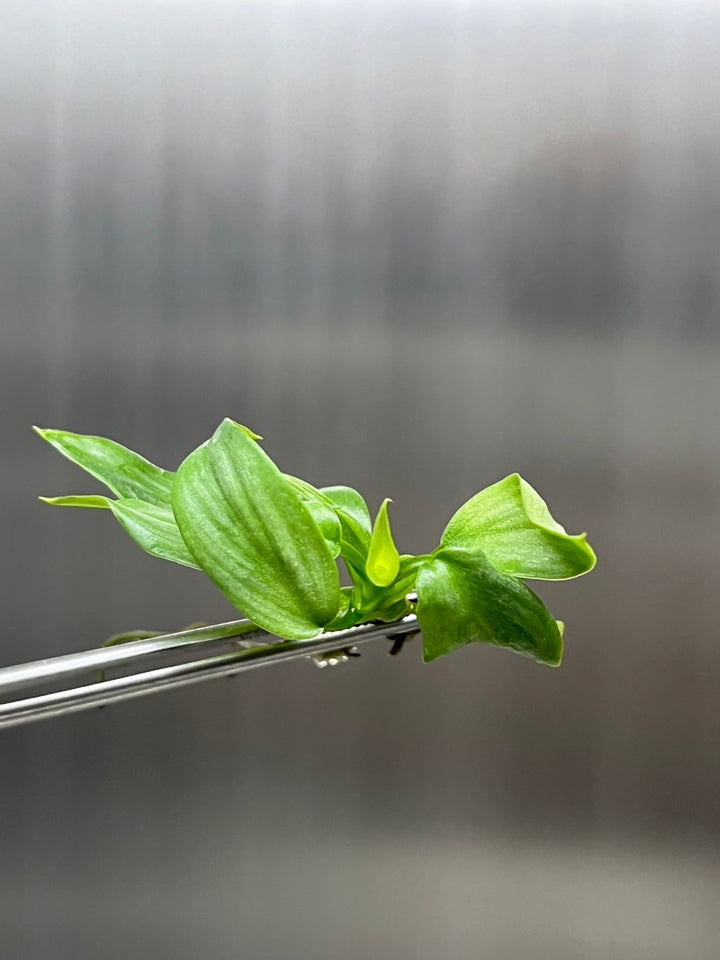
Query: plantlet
[{"x": 270, "y": 542}]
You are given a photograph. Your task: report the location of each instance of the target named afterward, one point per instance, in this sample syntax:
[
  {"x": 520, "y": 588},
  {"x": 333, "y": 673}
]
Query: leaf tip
[
  {"x": 592, "y": 556},
  {"x": 246, "y": 430},
  {"x": 428, "y": 655}
]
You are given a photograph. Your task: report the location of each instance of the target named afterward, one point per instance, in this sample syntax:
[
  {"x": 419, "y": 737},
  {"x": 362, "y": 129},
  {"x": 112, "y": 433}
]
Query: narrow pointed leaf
[
  {"x": 84, "y": 500},
  {"x": 383, "y": 562},
  {"x": 462, "y": 598},
  {"x": 511, "y": 524},
  {"x": 249, "y": 531},
  {"x": 127, "y": 474}
]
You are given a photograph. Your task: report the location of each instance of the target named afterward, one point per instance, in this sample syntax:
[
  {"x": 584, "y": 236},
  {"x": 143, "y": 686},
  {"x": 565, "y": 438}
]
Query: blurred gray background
[{"x": 416, "y": 245}]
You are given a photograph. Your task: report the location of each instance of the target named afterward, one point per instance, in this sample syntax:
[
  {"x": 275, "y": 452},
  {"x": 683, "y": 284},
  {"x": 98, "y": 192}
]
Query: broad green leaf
[
  {"x": 249, "y": 531},
  {"x": 351, "y": 503},
  {"x": 150, "y": 525},
  {"x": 462, "y": 598},
  {"x": 126, "y": 473},
  {"x": 511, "y": 524},
  {"x": 383, "y": 561}
]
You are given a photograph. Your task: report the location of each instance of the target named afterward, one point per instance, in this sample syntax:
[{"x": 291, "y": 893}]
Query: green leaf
[
  {"x": 249, "y": 531},
  {"x": 328, "y": 523},
  {"x": 351, "y": 503},
  {"x": 462, "y": 598},
  {"x": 383, "y": 561},
  {"x": 393, "y": 611},
  {"x": 151, "y": 526},
  {"x": 511, "y": 524},
  {"x": 127, "y": 474},
  {"x": 352, "y": 514},
  {"x": 91, "y": 501},
  {"x": 322, "y": 510},
  {"x": 306, "y": 490}
]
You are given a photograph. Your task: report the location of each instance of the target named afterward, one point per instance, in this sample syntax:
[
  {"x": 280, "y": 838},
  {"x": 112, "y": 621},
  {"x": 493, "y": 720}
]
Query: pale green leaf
[
  {"x": 250, "y": 532},
  {"x": 383, "y": 561},
  {"x": 84, "y": 500},
  {"x": 511, "y": 524},
  {"x": 462, "y": 598}
]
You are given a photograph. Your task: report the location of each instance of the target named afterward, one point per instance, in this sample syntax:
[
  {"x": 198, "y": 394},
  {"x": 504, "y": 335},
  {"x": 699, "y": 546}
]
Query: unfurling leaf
[
  {"x": 328, "y": 524},
  {"x": 462, "y": 598},
  {"x": 84, "y": 500},
  {"x": 351, "y": 503},
  {"x": 511, "y": 524},
  {"x": 249, "y": 531},
  {"x": 383, "y": 561},
  {"x": 320, "y": 509}
]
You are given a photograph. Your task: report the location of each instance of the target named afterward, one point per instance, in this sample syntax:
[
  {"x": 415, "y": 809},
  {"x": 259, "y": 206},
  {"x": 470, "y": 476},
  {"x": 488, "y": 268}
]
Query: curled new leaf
[
  {"x": 383, "y": 561},
  {"x": 248, "y": 529},
  {"x": 351, "y": 503},
  {"x": 328, "y": 524},
  {"x": 320, "y": 507},
  {"x": 89, "y": 501},
  {"x": 511, "y": 524},
  {"x": 355, "y": 525},
  {"x": 462, "y": 598}
]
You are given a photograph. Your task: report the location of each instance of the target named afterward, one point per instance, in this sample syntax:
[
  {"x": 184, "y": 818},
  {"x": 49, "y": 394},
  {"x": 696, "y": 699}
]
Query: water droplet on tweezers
[{"x": 334, "y": 657}]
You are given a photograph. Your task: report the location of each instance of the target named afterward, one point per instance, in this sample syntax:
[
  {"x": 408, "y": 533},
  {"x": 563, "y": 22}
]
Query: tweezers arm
[
  {"x": 75, "y": 699},
  {"x": 57, "y": 669}
]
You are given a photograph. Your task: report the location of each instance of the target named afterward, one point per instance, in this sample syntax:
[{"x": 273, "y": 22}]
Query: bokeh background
[{"x": 416, "y": 245}]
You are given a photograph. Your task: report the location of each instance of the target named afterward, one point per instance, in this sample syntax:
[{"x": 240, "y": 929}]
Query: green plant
[{"x": 270, "y": 542}]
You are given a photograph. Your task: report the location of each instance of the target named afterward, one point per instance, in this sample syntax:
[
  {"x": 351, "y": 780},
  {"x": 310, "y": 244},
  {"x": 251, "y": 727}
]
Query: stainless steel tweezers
[{"x": 249, "y": 648}]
